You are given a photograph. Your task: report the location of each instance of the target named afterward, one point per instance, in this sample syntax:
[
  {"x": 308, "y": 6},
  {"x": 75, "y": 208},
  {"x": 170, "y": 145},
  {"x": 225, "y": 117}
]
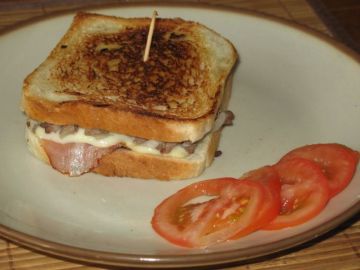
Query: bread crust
[
  {"x": 146, "y": 123},
  {"x": 126, "y": 163}
]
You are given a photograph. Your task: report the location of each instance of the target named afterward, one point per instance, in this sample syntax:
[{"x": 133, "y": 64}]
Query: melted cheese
[{"x": 109, "y": 139}]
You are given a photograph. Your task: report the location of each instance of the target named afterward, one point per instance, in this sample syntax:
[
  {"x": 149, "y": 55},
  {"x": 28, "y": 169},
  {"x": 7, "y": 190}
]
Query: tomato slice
[
  {"x": 337, "y": 161},
  {"x": 270, "y": 209},
  {"x": 304, "y": 192},
  {"x": 231, "y": 206}
]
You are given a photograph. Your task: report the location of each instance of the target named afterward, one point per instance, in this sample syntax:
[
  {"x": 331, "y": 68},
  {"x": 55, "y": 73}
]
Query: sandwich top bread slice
[
  {"x": 96, "y": 77},
  {"x": 96, "y": 82}
]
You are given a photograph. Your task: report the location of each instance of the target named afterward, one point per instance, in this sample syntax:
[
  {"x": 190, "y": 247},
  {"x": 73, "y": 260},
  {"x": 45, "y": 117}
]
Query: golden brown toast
[{"x": 96, "y": 78}]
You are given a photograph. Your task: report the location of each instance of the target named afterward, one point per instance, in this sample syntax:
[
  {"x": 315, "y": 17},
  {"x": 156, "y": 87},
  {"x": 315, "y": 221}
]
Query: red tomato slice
[
  {"x": 304, "y": 192},
  {"x": 232, "y": 206},
  {"x": 337, "y": 161},
  {"x": 270, "y": 209}
]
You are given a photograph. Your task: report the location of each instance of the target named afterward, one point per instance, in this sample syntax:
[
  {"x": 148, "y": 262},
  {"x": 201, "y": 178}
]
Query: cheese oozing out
[{"x": 105, "y": 140}]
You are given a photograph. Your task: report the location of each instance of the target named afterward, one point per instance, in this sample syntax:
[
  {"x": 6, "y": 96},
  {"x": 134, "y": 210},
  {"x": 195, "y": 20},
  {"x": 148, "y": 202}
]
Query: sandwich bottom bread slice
[{"x": 119, "y": 159}]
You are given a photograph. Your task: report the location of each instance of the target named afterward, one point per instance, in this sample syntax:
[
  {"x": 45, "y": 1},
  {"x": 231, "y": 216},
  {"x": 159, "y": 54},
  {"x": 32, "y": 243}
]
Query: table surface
[{"x": 338, "y": 249}]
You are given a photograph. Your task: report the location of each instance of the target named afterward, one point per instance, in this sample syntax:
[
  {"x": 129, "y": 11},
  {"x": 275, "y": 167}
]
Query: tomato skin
[
  {"x": 168, "y": 206},
  {"x": 337, "y": 161},
  {"x": 270, "y": 209},
  {"x": 212, "y": 221},
  {"x": 304, "y": 192},
  {"x": 287, "y": 194}
]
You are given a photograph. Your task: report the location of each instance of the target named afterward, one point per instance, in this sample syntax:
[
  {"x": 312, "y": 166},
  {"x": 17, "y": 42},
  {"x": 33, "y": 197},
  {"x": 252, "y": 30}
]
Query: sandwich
[{"x": 94, "y": 105}]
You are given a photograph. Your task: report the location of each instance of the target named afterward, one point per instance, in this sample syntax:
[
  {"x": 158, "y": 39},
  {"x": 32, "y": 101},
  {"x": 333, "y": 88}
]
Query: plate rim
[
  {"x": 84, "y": 255},
  {"x": 174, "y": 261}
]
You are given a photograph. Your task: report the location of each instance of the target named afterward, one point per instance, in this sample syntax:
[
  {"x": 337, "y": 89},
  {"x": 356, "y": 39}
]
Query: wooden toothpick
[{"x": 149, "y": 37}]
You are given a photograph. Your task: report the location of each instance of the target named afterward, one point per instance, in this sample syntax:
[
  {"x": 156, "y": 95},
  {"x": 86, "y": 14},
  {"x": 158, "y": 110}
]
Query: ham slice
[{"x": 74, "y": 159}]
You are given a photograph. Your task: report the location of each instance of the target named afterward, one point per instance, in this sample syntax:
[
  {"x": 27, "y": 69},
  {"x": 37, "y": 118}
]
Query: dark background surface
[{"x": 342, "y": 17}]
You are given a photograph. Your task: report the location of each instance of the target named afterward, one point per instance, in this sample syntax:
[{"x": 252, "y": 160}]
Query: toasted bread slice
[
  {"x": 123, "y": 162},
  {"x": 96, "y": 78}
]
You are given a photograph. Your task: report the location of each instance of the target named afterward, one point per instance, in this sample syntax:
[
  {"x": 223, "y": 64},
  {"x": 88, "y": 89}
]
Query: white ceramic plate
[{"x": 291, "y": 88}]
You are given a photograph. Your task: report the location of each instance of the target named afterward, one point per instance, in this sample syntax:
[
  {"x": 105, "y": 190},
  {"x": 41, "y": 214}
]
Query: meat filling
[
  {"x": 99, "y": 134},
  {"x": 76, "y": 158}
]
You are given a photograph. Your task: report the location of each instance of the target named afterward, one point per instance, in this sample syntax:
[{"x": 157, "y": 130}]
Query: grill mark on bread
[
  {"x": 101, "y": 105},
  {"x": 109, "y": 68}
]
